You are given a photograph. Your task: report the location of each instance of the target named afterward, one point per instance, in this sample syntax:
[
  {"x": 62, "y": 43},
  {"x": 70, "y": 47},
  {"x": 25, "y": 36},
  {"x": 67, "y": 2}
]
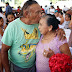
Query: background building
[{"x": 16, "y": 3}]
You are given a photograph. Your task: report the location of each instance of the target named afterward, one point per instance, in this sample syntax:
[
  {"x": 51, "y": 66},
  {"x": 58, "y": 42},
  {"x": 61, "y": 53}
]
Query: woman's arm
[{"x": 62, "y": 20}]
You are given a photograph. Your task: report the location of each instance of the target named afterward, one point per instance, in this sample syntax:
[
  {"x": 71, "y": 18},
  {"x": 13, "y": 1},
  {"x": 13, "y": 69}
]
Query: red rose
[{"x": 60, "y": 63}]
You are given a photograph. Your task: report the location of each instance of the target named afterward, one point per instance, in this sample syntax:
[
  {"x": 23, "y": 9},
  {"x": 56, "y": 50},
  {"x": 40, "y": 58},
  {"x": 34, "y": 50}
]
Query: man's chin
[{"x": 37, "y": 22}]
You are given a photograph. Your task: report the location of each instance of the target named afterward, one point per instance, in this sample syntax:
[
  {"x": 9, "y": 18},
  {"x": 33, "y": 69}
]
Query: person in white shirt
[
  {"x": 61, "y": 17},
  {"x": 52, "y": 10},
  {"x": 45, "y": 9},
  {"x": 65, "y": 8},
  {"x": 61, "y": 25},
  {"x": 67, "y": 19},
  {"x": 65, "y": 24}
]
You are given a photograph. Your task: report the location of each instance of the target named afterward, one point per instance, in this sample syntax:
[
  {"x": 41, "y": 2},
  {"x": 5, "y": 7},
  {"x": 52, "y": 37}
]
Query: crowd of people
[
  {"x": 63, "y": 15},
  {"x": 29, "y": 38}
]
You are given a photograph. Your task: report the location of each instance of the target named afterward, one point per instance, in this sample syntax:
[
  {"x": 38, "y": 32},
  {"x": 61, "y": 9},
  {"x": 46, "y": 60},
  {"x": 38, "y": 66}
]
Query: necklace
[
  {"x": 44, "y": 38},
  {"x": 47, "y": 38}
]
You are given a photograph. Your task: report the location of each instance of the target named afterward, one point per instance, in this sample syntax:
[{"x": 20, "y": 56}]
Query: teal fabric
[{"x": 23, "y": 39}]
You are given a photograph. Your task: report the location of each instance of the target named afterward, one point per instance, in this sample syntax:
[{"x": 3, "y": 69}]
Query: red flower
[{"x": 60, "y": 63}]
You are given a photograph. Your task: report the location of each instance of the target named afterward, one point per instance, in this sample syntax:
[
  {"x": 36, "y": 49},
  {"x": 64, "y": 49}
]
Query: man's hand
[
  {"x": 61, "y": 34},
  {"x": 48, "y": 54}
]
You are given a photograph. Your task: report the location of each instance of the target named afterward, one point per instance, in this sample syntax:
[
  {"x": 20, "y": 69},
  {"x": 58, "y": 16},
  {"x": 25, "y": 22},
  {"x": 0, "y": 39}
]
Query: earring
[{"x": 49, "y": 30}]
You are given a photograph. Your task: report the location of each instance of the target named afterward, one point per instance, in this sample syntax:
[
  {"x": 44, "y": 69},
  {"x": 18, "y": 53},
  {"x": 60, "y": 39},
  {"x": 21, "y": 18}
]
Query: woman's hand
[
  {"x": 48, "y": 54},
  {"x": 61, "y": 34}
]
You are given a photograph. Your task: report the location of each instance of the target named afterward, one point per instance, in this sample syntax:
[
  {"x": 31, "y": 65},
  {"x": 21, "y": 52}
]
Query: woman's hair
[
  {"x": 10, "y": 14},
  {"x": 51, "y": 20},
  {"x": 1, "y": 9},
  {"x": 52, "y": 6},
  {"x": 26, "y": 5},
  {"x": 1, "y": 18},
  {"x": 61, "y": 13},
  {"x": 69, "y": 16}
]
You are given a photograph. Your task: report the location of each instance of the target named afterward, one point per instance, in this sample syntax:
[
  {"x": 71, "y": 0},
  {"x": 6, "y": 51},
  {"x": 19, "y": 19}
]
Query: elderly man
[{"x": 20, "y": 39}]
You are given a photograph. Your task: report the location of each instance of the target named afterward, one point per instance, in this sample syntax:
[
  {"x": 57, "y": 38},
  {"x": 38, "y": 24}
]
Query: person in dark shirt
[{"x": 8, "y": 9}]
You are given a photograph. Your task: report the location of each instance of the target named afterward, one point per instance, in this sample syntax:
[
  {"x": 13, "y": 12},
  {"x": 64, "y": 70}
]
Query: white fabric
[
  {"x": 51, "y": 11},
  {"x": 70, "y": 50},
  {"x": 64, "y": 25},
  {"x": 58, "y": 18},
  {"x": 67, "y": 32},
  {"x": 65, "y": 9},
  {"x": 46, "y": 9},
  {"x": 67, "y": 24}
]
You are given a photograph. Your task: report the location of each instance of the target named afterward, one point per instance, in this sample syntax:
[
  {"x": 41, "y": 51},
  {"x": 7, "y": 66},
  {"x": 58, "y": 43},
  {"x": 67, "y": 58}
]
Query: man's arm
[
  {"x": 65, "y": 49},
  {"x": 61, "y": 34},
  {"x": 4, "y": 57}
]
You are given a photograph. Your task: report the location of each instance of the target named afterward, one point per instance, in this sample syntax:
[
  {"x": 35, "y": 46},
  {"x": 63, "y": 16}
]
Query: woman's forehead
[{"x": 43, "y": 20}]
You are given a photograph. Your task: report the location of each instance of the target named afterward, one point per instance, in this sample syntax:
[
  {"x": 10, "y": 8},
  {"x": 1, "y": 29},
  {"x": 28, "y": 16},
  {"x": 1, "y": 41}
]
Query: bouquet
[{"x": 60, "y": 63}]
